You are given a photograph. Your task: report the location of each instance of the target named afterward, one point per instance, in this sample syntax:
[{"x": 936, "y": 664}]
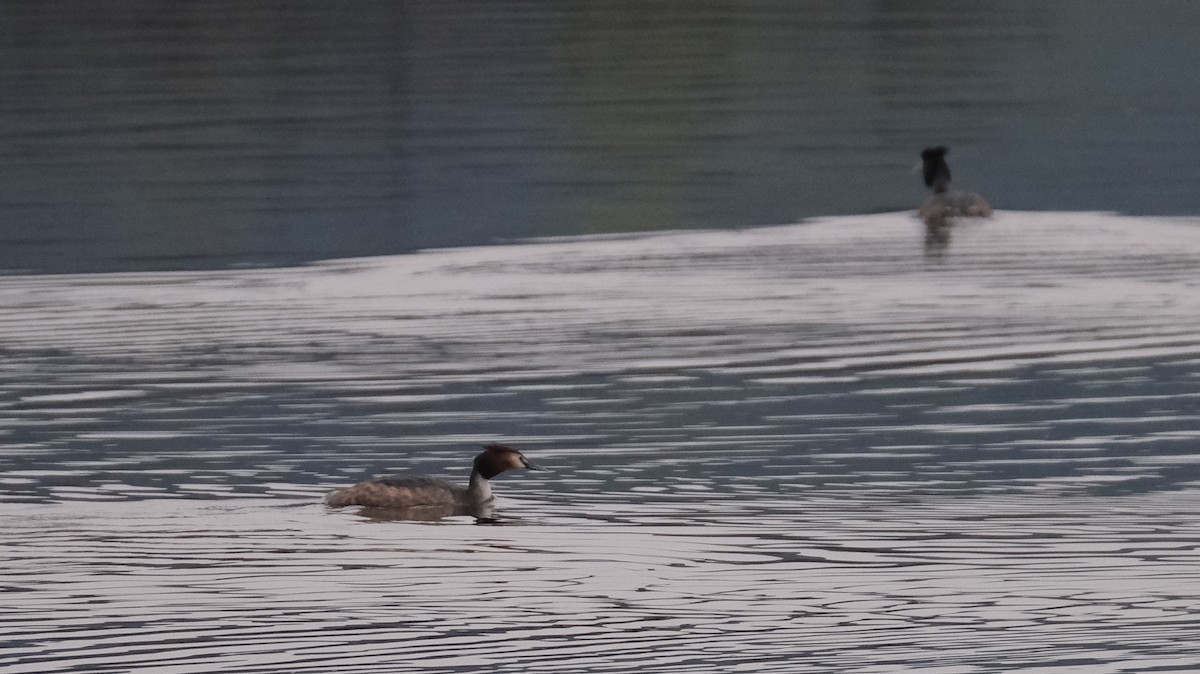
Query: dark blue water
[{"x": 158, "y": 135}]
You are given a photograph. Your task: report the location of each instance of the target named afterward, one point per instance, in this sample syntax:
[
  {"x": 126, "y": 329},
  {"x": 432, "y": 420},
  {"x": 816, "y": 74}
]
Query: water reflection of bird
[
  {"x": 422, "y": 497},
  {"x": 944, "y": 204}
]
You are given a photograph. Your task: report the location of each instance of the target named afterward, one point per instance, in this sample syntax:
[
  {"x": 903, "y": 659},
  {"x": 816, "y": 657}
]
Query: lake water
[
  {"x": 838, "y": 446},
  {"x": 142, "y": 135},
  {"x": 826, "y": 447}
]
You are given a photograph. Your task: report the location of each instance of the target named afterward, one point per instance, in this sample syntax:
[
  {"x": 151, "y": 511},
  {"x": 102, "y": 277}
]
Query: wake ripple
[
  {"x": 826, "y": 447},
  {"x": 981, "y": 585}
]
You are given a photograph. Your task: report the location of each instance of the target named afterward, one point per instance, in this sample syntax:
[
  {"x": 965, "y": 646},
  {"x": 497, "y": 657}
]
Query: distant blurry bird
[
  {"x": 944, "y": 203},
  {"x": 934, "y": 168}
]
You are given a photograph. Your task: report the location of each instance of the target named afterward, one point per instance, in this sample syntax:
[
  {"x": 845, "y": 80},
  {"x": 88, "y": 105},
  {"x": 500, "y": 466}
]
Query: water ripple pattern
[{"x": 827, "y": 447}]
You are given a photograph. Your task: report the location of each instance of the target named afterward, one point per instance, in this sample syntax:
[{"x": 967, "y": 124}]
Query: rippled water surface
[{"x": 827, "y": 447}]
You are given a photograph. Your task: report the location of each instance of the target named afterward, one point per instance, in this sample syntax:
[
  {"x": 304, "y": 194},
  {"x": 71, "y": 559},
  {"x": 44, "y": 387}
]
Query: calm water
[
  {"x": 826, "y": 447},
  {"x": 140, "y": 135}
]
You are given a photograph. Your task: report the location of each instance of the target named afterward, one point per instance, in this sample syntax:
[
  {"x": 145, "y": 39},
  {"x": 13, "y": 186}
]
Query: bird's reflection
[{"x": 937, "y": 238}]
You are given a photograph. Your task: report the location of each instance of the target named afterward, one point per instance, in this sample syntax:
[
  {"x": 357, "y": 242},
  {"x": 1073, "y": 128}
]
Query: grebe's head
[
  {"x": 934, "y": 153},
  {"x": 934, "y": 168},
  {"x": 496, "y": 459}
]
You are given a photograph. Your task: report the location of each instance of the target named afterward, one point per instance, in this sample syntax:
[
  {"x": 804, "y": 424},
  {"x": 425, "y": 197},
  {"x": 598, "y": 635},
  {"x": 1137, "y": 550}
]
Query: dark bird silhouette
[
  {"x": 944, "y": 204},
  {"x": 935, "y": 169}
]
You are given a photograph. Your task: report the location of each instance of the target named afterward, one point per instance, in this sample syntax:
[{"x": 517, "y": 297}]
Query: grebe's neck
[{"x": 480, "y": 488}]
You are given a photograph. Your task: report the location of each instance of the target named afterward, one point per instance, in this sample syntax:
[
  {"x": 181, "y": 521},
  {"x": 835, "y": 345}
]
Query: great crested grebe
[
  {"x": 437, "y": 497},
  {"x": 946, "y": 203}
]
